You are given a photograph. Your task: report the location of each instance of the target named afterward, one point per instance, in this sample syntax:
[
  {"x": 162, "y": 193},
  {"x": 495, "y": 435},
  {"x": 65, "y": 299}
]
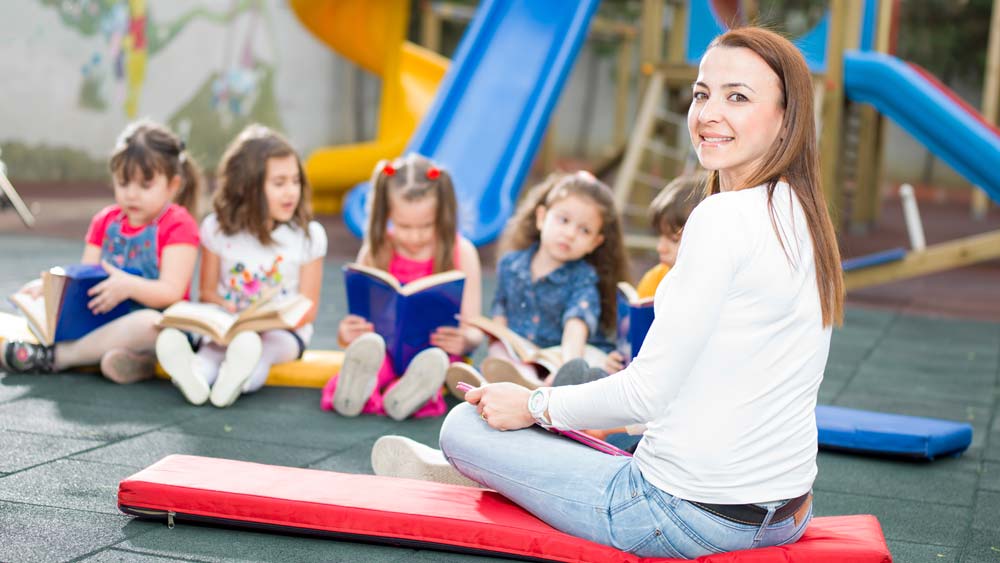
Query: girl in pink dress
[{"x": 412, "y": 233}]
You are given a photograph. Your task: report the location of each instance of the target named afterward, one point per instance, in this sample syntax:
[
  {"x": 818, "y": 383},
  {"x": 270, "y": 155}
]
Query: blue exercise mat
[
  {"x": 891, "y": 434},
  {"x": 876, "y": 259}
]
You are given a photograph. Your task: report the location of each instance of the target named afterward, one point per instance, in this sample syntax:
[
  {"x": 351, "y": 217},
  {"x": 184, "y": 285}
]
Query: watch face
[{"x": 535, "y": 401}]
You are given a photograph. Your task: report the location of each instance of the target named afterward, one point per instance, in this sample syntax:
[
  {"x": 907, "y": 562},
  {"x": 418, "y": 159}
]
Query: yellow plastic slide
[{"x": 371, "y": 34}]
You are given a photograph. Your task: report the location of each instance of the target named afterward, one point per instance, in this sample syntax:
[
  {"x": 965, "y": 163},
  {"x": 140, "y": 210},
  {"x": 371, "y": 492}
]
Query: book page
[
  {"x": 518, "y": 345},
  {"x": 432, "y": 280},
  {"x": 53, "y": 282},
  {"x": 203, "y": 318},
  {"x": 33, "y": 309},
  {"x": 266, "y": 295},
  {"x": 14, "y": 327},
  {"x": 285, "y": 313},
  {"x": 630, "y": 294}
]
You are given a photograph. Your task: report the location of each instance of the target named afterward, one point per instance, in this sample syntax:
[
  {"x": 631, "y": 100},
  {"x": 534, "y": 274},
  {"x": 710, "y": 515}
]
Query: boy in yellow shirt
[{"x": 668, "y": 214}]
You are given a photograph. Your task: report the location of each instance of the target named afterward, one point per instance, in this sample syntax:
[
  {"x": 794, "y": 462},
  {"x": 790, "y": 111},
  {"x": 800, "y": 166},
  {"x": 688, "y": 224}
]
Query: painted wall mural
[{"x": 205, "y": 67}]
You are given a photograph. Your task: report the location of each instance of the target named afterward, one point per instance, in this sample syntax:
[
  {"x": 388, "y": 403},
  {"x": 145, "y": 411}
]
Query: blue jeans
[{"x": 595, "y": 496}]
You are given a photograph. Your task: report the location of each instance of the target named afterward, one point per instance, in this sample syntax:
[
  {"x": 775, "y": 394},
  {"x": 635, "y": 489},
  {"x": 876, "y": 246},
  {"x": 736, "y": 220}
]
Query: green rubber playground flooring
[{"x": 66, "y": 440}]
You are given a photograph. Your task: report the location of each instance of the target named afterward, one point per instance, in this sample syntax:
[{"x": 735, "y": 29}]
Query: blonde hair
[
  {"x": 608, "y": 259},
  {"x": 412, "y": 178},
  {"x": 794, "y": 158},
  {"x": 240, "y": 203},
  {"x": 147, "y": 148}
]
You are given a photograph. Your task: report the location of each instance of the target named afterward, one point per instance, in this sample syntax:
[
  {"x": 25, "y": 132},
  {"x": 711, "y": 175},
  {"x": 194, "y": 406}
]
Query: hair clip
[
  {"x": 433, "y": 173},
  {"x": 388, "y": 170}
]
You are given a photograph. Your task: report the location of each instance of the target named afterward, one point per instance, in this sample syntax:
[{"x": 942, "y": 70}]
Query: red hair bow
[
  {"x": 433, "y": 173},
  {"x": 388, "y": 170}
]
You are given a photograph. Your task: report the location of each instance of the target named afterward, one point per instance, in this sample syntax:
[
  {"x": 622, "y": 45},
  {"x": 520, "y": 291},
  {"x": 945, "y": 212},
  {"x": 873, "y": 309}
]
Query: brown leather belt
[{"x": 752, "y": 514}]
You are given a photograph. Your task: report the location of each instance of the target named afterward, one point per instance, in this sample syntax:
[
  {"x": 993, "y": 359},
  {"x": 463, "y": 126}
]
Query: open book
[
  {"x": 60, "y": 313},
  {"x": 271, "y": 311},
  {"x": 518, "y": 346},
  {"x": 404, "y": 315},
  {"x": 635, "y": 315}
]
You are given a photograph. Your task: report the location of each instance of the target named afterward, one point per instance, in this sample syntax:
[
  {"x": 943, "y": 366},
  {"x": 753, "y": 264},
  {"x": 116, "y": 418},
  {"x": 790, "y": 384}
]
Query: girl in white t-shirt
[{"x": 261, "y": 235}]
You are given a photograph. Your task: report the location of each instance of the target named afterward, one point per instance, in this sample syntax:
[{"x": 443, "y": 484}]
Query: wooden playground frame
[{"x": 669, "y": 75}]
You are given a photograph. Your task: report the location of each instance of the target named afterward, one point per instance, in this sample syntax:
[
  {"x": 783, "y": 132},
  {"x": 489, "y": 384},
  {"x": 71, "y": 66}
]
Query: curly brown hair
[
  {"x": 608, "y": 259},
  {"x": 412, "y": 178},
  {"x": 147, "y": 148},
  {"x": 240, "y": 203}
]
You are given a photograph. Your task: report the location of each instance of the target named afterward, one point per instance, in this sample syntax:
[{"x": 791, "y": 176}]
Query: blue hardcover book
[
  {"x": 404, "y": 315},
  {"x": 635, "y": 315},
  {"x": 61, "y": 313}
]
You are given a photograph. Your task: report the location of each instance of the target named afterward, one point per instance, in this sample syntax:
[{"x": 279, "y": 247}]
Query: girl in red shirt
[{"x": 150, "y": 231}]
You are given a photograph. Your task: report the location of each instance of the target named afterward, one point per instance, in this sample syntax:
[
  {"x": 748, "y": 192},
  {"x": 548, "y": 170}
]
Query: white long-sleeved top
[{"x": 727, "y": 377}]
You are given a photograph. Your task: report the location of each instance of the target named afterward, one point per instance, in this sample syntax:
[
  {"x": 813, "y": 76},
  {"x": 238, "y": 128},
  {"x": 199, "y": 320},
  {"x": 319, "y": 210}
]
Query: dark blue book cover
[
  {"x": 405, "y": 316},
  {"x": 634, "y": 319},
  {"x": 73, "y": 319}
]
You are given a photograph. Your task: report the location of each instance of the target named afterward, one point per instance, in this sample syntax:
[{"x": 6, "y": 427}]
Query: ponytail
[{"x": 192, "y": 184}]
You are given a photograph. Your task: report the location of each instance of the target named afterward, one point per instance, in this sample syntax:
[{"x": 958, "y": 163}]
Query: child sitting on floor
[
  {"x": 260, "y": 236},
  {"x": 556, "y": 282},
  {"x": 150, "y": 230},
  {"x": 412, "y": 233},
  {"x": 667, "y": 213}
]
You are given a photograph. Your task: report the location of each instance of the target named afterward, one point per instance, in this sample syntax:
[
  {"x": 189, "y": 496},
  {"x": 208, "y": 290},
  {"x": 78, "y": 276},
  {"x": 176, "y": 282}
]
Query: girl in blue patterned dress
[{"x": 564, "y": 255}]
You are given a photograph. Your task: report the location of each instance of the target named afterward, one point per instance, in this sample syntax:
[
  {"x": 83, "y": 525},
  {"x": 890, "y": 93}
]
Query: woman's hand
[
  {"x": 451, "y": 339},
  {"x": 503, "y": 406},
  {"x": 112, "y": 291},
  {"x": 352, "y": 327},
  {"x": 615, "y": 362}
]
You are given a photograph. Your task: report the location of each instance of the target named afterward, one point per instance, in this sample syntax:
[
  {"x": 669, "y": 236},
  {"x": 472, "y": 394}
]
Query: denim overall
[{"x": 136, "y": 252}]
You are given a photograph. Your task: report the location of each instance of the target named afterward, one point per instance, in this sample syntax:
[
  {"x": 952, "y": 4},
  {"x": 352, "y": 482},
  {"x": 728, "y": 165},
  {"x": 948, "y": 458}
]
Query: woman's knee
[{"x": 458, "y": 429}]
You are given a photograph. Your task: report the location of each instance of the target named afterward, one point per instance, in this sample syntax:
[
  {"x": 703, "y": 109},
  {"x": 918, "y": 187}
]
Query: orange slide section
[{"x": 372, "y": 35}]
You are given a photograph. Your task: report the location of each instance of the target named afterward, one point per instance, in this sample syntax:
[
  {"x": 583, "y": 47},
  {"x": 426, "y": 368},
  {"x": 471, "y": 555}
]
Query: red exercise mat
[{"x": 420, "y": 514}]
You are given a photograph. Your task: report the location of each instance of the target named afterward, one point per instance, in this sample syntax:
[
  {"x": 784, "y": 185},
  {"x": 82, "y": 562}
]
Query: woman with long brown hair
[{"x": 727, "y": 377}]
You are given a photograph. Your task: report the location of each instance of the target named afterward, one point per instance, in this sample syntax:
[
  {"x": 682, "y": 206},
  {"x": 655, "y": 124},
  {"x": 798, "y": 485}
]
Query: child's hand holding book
[
  {"x": 351, "y": 327},
  {"x": 109, "y": 293},
  {"x": 451, "y": 339}
]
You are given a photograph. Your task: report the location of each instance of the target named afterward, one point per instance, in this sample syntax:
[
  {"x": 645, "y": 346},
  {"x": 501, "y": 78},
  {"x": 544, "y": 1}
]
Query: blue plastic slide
[
  {"x": 493, "y": 106},
  {"x": 927, "y": 112}
]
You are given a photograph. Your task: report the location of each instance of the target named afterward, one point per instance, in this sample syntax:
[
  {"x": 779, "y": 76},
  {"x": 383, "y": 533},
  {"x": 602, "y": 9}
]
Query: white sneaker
[
  {"x": 399, "y": 456},
  {"x": 461, "y": 372},
  {"x": 422, "y": 379},
  {"x": 496, "y": 370},
  {"x": 174, "y": 353},
  {"x": 242, "y": 356},
  {"x": 358, "y": 374}
]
